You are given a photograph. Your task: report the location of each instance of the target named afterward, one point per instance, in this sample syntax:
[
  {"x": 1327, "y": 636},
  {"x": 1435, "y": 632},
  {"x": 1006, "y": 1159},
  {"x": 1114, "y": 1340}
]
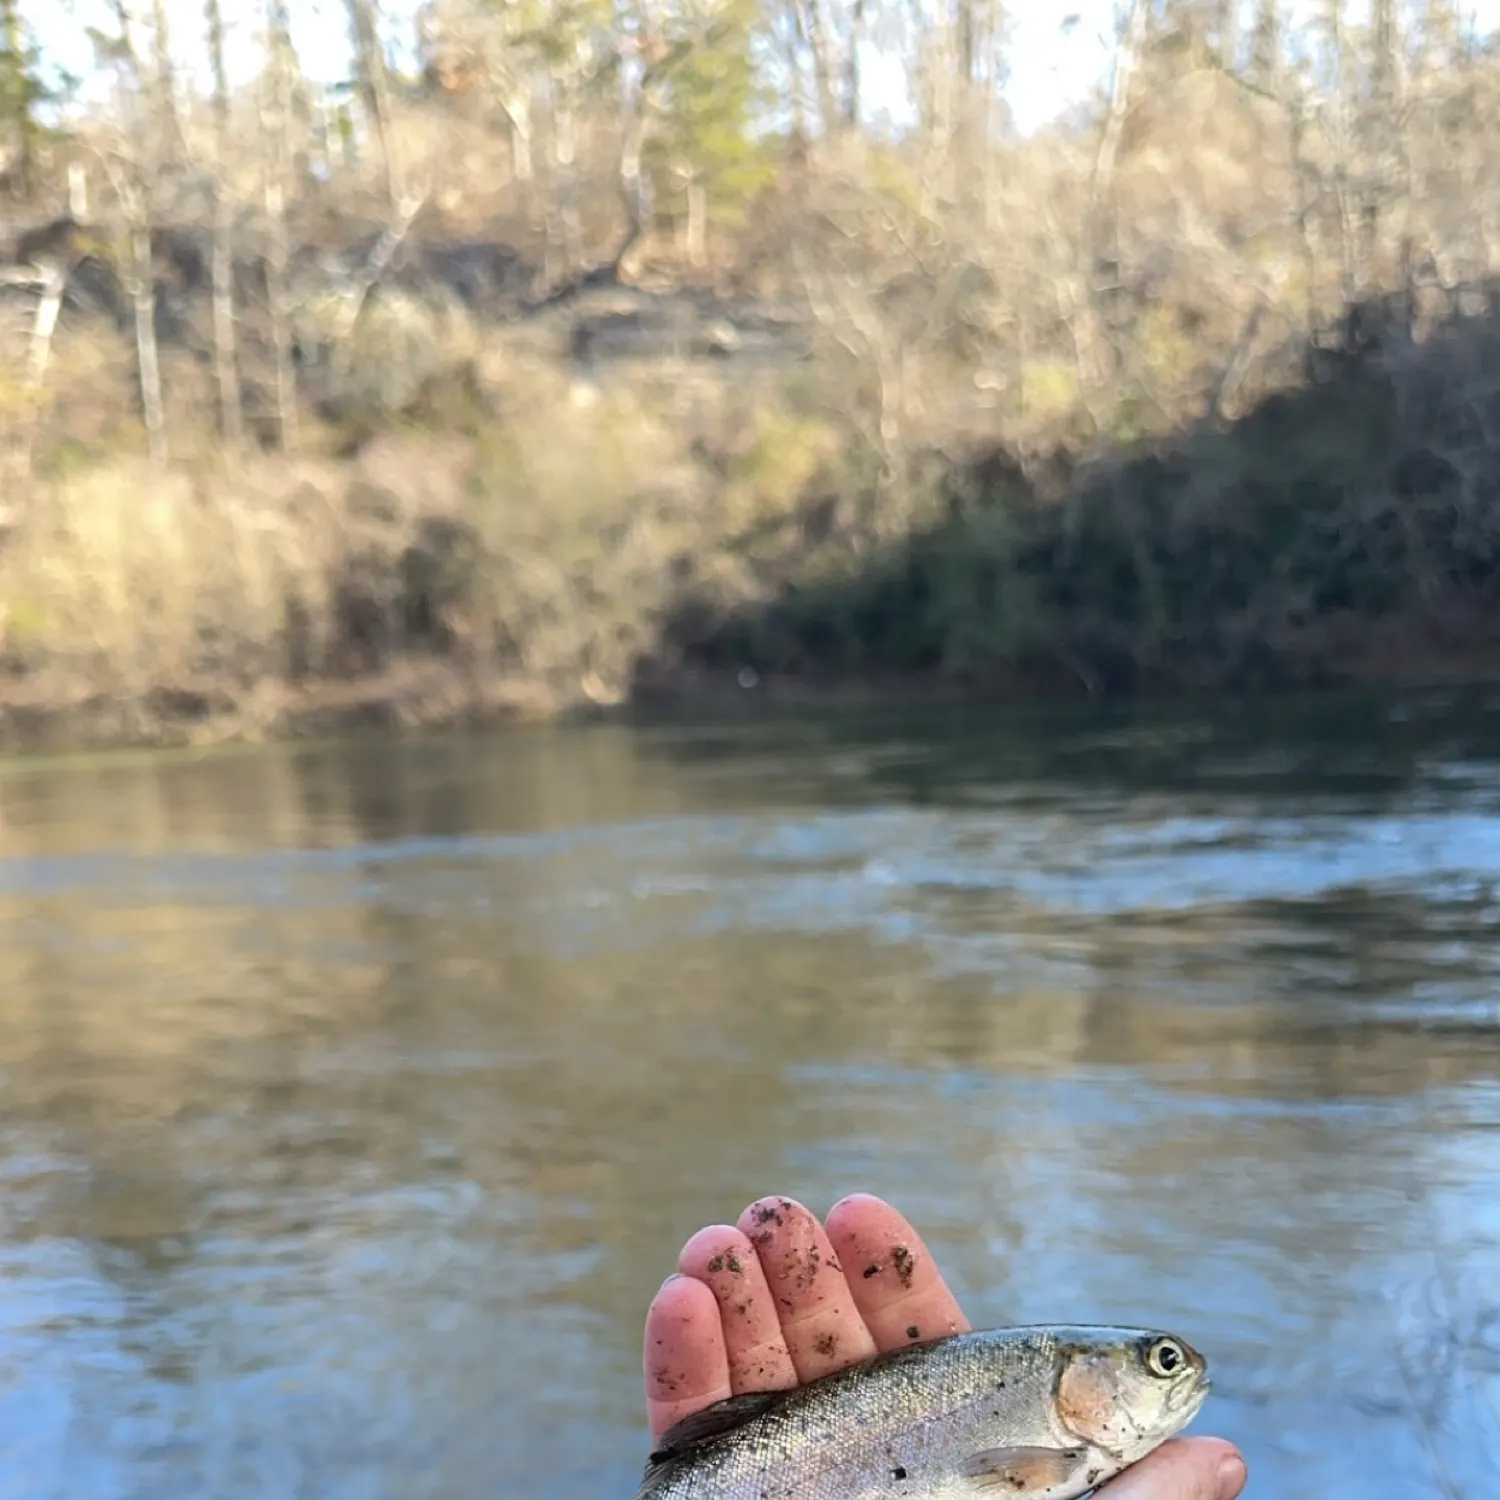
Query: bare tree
[
  {"x": 131, "y": 166},
  {"x": 1102, "y": 230},
  {"x": 374, "y": 86},
  {"x": 47, "y": 275},
  {"x": 170, "y": 141},
  {"x": 1266, "y": 44},
  {"x": 816, "y": 33},
  {"x": 277, "y": 86},
  {"x": 231, "y": 410}
]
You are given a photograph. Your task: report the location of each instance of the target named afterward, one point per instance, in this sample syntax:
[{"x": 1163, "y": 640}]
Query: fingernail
[
  {"x": 1232, "y": 1476},
  {"x": 675, "y": 1276}
]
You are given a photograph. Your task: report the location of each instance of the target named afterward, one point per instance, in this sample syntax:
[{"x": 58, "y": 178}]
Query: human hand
[{"x": 779, "y": 1300}]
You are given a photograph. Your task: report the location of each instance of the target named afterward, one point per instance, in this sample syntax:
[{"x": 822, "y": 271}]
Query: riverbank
[
  {"x": 55, "y": 717},
  {"x": 686, "y": 535},
  {"x": 875, "y": 420},
  {"x": 632, "y": 499},
  {"x": 556, "y": 556},
  {"x": 613, "y": 556}
]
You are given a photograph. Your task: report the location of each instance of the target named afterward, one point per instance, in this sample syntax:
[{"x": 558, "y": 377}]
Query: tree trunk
[
  {"x": 276, "y": 97},
  {"x": 374, "y": 86},
  {"x": 814, "y": 29},
  {"x": 298, "y": 127},
  {"x": 635, "y": 185},
  {"x": 1099, "y": 356},
  {"x": 287, "y": 418},
  {"x": 49, "y": 279},
  {"x": 565, "y": 173},
  {"x": 697, "y": 223},
  {"x": 133, "y": 185},
  {"x": 231, "y": 408},
  {"x": 517, "y": 107},
  {"x": 148, "y": 358},
  {"x": 1383, "y": 171},
  {"x": 170, "y": 141},
  {"x": 1265, "y": 45},
  {"x": 975, "y": 25},
  {"x": 852, "y": 99}
]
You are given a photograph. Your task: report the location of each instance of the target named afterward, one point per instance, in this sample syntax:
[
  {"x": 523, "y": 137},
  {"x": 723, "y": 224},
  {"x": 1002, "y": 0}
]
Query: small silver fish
[{"x": 1044, "y": 1413}]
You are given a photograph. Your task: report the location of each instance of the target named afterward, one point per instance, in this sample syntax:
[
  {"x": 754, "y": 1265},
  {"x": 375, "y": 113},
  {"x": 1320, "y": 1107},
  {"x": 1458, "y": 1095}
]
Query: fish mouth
[{"x": 1187, "y": 1401}]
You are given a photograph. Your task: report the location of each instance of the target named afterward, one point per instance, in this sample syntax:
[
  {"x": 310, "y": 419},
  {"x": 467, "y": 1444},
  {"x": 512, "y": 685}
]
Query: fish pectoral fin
[
  {"x": 713, "y": 1422},
  {"x": 1026, "y": 1471}
]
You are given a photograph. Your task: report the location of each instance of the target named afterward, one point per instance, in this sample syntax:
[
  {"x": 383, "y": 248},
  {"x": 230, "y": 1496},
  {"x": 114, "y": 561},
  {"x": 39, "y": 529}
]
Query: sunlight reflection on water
[{"x": 354, "y": 1098}]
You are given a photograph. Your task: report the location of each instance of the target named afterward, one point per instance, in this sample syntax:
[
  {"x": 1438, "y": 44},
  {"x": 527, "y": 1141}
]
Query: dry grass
[
  {"x": 549, "y": 543},
  {"x": 542, "y": 553}
]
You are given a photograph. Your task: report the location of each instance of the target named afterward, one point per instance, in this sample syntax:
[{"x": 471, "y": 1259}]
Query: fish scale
[{"x": 974, "y": 1415}]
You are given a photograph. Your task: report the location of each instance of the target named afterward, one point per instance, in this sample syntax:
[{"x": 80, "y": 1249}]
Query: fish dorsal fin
[
  {"x": 706, "y": 1426},
  {"x": 1027, "y": 1473}
]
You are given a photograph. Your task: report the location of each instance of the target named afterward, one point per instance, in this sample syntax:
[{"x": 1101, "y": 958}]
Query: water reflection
[{"x": 355, "y": 1097}]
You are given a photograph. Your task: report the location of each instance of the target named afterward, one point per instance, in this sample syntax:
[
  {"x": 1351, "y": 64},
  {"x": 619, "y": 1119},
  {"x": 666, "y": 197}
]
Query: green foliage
[
  {"x": 1236, "y": 555},
  {"x": 22, "y": 87},
  {"x": 713, "y": 95},
  {"x": 570, "y": 39}
]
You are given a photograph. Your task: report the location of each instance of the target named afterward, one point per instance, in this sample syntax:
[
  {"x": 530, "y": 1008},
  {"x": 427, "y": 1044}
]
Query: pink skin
[{"x": 780, "y": 1298}]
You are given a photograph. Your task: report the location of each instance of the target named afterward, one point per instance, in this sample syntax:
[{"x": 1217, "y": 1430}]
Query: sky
[{"x": 1058, "y": 49}]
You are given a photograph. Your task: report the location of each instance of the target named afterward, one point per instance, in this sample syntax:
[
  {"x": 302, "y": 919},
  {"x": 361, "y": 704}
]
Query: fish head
[{"x": 1125, "y": 1391}]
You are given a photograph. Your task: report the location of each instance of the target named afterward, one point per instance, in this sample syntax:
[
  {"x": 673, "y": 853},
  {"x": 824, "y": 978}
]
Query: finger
[
  {"x": 683, "y": 1357},
  {"x": 894, "y": 1280},
  {"x": 1196, "y": 1468},
  {"x": 726, "y": 1263},
  {"x": 819, "y": 1321}
]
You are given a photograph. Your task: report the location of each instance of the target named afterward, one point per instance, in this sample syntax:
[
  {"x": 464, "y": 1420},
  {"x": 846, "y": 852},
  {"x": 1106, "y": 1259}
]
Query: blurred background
[
  {"x": 365, "y": 361},
  {"x": 609, "y": 606}
]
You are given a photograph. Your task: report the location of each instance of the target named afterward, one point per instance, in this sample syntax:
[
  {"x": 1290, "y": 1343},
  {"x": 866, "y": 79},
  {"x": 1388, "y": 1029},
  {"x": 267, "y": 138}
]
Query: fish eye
[{"x": 1165, "y": 1358}]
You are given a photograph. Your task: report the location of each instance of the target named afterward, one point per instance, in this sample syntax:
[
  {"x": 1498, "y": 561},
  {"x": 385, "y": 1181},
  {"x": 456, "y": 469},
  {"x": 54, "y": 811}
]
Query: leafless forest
[{"x": 576, "y": 350}]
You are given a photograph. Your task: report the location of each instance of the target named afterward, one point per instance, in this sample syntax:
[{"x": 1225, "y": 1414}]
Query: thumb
[{"x": 1184, "y": 1469}]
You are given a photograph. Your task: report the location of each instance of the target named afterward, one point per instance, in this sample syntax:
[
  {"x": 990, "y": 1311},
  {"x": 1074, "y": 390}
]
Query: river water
[{"x": 355, "y": 1097}]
